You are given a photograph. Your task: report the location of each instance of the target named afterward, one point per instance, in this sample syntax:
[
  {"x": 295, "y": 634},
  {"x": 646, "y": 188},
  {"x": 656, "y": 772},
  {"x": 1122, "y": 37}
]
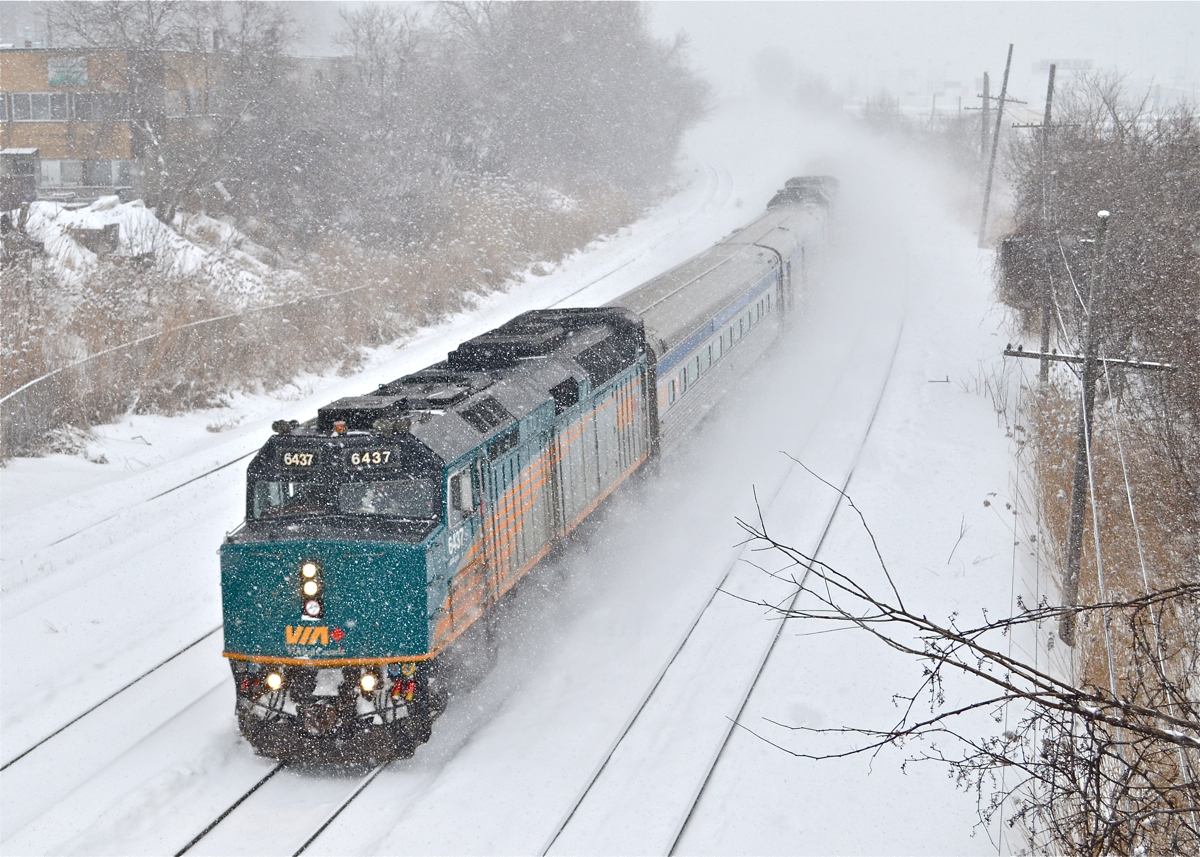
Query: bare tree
[
  {"x": 220, "y": 136},
  {"x": 1098, "y": 772}
]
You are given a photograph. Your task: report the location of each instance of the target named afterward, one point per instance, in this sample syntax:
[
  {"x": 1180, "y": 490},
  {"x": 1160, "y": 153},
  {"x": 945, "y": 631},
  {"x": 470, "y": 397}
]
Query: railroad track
[
  {"x": 716, "y": 184},
  {"x": 586, "y": 793},
  {"x": 350, "y": 794}
]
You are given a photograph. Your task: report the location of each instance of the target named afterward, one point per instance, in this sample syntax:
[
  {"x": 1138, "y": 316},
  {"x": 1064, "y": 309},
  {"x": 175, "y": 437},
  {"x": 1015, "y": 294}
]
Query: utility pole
[
  {"x": 983, "y": 125},
  {"x": 1097, "y": 316},
  {"x": 987, "y": 190},
  {"x": 1079, "y": 485},
  {"x": 1047, "y": 303}
]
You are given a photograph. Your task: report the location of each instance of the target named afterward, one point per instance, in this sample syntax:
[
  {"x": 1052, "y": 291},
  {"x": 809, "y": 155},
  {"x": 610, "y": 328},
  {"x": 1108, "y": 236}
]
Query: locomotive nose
[{"x": 323, "y": 600}]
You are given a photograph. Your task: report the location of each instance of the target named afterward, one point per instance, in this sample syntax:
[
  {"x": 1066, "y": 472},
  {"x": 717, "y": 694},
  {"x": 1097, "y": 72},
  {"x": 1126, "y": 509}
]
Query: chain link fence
[{"x": 190, "y": 365}]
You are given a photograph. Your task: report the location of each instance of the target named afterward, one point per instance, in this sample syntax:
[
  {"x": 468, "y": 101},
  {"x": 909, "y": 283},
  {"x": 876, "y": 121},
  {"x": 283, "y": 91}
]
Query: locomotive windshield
[
  {"x": 409, "y": 498},
  {"x": 400, "y": 498}
]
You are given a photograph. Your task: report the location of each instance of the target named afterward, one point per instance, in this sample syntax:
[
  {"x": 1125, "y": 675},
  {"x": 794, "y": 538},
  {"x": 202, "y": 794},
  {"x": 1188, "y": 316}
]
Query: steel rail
[
  {"x": 585, "y": 791},
  {"x": 762, "y": 664},
  {"x": 275, "y": 770},
  {"x": 109, "y": 698}
]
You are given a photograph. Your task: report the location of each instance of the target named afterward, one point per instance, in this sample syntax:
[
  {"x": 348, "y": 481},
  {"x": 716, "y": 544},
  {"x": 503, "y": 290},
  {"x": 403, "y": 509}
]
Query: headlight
[
  {"x": 274, "y": 681},
  {"x": 312, "y": 608},
  {"x": 310, "y": 588},
  {"x": 309, "y": 569},
  {"x": 367, "y": 682}
]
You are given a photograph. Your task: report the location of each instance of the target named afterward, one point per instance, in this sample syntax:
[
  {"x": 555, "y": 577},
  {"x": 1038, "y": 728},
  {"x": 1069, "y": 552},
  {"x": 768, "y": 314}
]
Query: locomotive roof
[{"x": 488, "y": 384}]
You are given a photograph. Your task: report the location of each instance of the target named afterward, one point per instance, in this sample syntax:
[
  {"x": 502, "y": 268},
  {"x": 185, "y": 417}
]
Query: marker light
[
  {"x": 309, "y": 569},
  {"x": 312, "y": 608},
  {"x": 274, "y": 681},
  {"x": 310, "y": 588},
  {"x": 367, "y": 682},
  {"x": 339, "y": 427}
]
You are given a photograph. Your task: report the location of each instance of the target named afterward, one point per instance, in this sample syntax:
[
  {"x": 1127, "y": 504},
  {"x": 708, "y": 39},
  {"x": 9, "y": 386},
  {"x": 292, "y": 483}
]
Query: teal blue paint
[{"x": 374, "y": 592}]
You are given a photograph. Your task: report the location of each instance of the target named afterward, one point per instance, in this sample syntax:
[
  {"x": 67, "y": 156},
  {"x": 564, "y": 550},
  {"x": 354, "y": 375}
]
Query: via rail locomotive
[{"x": 379, "y": 536}]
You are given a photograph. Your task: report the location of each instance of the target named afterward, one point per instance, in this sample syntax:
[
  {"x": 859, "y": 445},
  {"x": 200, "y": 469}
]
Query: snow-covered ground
[
  {"x": 108, "y": 569},
  {"x": 198, "y": 245}
]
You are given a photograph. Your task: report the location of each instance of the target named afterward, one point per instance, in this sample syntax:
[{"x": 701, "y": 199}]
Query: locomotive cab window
[
  {"x": 289, "y": 498},
  {"x": 411, "y": 498}
]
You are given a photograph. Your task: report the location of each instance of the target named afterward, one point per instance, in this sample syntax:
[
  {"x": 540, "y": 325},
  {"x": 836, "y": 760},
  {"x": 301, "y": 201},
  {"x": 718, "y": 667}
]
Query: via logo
[{"x": 312, "y": 635}]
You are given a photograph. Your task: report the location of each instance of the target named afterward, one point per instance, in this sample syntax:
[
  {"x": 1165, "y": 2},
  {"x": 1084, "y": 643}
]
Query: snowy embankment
[
  {"x": 104, "y": 575},
  {"x": 197, "y": 246}
]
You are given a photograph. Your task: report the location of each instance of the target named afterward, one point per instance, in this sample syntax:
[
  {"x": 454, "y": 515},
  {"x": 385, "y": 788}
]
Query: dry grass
[
  {"x": 356, "y": 296},
  {"x": 1150, "y": 548},
  {"x": 1155, "y": 554}
]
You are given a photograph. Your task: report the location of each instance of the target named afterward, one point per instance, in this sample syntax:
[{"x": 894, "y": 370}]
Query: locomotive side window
[
  {"x": 461, "y": 497},
  {"x": 398, "y": 498}
]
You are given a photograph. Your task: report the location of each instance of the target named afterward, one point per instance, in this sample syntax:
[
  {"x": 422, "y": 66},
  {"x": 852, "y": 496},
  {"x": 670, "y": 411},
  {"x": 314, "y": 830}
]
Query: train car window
[
  {"x": 768, "y": 303},
  {"x": 671, "y": 392},
  {"x": 683, "y": 381},
  {"x": 397, "y": 498},
  {"x": 695, "y": 368},
  {"x": 706, "y": 359}
]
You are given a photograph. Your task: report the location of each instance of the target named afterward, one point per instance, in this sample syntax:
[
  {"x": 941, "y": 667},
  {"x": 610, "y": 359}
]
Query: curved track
[
  {"x": 327, "y": 798},
  {"x": 606, "y": 725},
  {"x": 186, "y": 687}
]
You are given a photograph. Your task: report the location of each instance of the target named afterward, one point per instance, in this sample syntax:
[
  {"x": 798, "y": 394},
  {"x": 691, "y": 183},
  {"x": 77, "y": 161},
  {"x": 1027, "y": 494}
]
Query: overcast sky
[
  {"x": 906, "y": 47},
  {"x": 867, "y": 47}
]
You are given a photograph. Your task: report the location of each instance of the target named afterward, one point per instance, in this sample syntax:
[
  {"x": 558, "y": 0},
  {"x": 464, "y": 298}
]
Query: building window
[
  {"x": 67, "y": 71},
  {"x": 72, "y": 173},
  {"x": 122, "y": 174},
  {"x": 180, "y": 103},
  {"x": 100, "y": 107},
  {"x": 59, "y": 173},
  {"x": 3, "y": 106},
  {"x": 195, "y": 101},
  {"x": 20, "y": 165},
  {"x": 97, "y": 173},
  {"x": 40, "y": 107},
  {"x": 51, "y": 175}
]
